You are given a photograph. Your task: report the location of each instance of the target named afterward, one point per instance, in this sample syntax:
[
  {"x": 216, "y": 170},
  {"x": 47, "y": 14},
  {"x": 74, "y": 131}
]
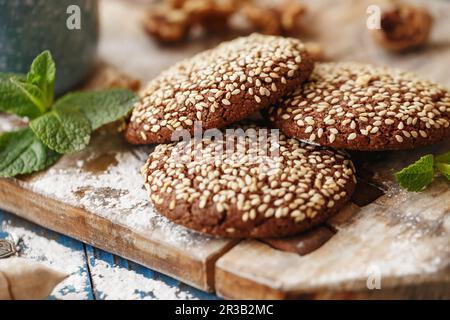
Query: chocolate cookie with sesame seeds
[
  {"x": 361, "y": 107},
  {"x": 219, "y": 86},
  {"x": 264, "y": 185}
]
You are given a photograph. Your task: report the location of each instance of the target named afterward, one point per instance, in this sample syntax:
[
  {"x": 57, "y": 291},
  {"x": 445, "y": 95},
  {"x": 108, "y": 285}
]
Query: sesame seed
[
  {"x": 309, "y": 120},
  {"x": 319, "y": 132},
  {"x": 335, "y": 97},
  {"x": 246, "y": 66},
  {"x": 308, "y": 178}
]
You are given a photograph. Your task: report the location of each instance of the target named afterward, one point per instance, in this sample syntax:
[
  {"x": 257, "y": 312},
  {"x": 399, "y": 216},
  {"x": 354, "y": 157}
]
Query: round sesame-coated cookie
[
  {"x": 362, "y": 107},
  {"x": 242, "y": 193},
  {"x": 219, "y": 86}
]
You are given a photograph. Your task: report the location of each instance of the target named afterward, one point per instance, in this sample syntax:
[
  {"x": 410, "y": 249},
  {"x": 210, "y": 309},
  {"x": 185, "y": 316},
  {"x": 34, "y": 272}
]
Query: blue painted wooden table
[{"x": 93, "y": 273}]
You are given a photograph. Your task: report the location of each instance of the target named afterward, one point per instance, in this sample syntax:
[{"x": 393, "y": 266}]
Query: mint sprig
[
  {"x": 32, "y": 92},
  {"x": 42, "y": 74},
  {"x": 63, "y": 132},
  {"x": 12, "y": 98},
  {"x": 55, "y": 128},
  {"x": 417, "y": 176},
  {"x": 99, "y": 108},
  {"x": 21, "y": 152},
  {"x": 443, "y": 164}
]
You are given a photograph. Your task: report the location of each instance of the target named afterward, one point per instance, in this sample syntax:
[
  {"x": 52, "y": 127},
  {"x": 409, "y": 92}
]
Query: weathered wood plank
[
  {"x": 188, "y": 257},
  {"x": 117, "y": 278},
  {"x": 35, "y": 239},
  {"x": 101, "y": 214},
  {"x": 406, "y": 240},
  {"x": 403, "y": 236},
  {"x": 97, "y": 196}
]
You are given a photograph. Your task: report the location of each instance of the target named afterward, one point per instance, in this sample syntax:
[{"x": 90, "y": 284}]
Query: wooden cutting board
[
  {"x": 401, "y": 239},
  {"x": 398, "y": 240}
]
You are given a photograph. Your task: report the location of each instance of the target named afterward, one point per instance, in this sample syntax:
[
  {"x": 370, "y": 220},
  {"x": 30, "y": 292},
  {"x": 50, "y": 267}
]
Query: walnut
[
  {"x": 212, "y": 15},
  {"x": 404, "y": 27},
  {"x": 167, "y": 24},
  {"x": 172, "y": 20},
  {"x": 275, "y": 18}
]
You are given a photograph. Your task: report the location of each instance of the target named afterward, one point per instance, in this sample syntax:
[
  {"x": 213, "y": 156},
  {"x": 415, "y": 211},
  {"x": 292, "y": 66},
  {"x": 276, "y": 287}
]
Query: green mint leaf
[
  {"x": 442, "y": 163},
  {"x": 42, "y": 74},
  {"x": 444, "y": 169},
  {"x": 12, "y": 98},
  {"x": 63, "y": 132},
  {"x": 21, "y": 152},
  {"x": 32, "y": 92},
  {"x": 99, "y": 107},
  {"x": 418, "y": 175},
  {"x": 443, "y": 158}
]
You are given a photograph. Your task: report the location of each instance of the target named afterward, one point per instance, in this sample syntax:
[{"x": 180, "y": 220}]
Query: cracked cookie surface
[
  {"x": 266, "y": 185},
  {"x": 219, "y": 87},
  {"x": 361, "y": 107}
]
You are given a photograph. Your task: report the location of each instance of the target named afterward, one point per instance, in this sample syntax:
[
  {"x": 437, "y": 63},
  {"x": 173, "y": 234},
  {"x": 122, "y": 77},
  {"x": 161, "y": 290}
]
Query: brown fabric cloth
[{"x": 22, "y": 279}]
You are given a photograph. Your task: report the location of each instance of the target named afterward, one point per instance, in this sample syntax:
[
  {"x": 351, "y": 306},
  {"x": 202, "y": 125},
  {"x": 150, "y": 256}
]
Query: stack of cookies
[{"x": 297, "y": 174}]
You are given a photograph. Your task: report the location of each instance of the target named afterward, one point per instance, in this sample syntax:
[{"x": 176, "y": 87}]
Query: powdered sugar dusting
[
  {"x": 106, "y": 181},
  {"x": 9, "y": 122},
  {"x": 116, "y": 283}
]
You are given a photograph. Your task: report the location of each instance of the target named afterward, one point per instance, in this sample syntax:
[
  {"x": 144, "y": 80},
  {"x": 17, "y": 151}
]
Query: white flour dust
[
  {"x": 116, "y": 283},
  {"x": 116, "y": 193},
  {"x": 110, "y": 282},
  {"x": 56, "y": 256}
]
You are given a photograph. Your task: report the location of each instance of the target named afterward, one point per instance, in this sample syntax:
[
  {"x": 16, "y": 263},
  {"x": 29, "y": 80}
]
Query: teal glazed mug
[{"x": 68, "y": 28}]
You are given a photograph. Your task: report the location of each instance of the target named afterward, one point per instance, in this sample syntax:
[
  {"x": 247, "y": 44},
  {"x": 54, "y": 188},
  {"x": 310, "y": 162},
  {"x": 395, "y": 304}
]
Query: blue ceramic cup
[{"x": 68, "y": 28}]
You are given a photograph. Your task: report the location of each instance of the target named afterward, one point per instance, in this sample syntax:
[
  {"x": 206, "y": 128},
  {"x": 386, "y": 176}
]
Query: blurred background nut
[
  {"x": 167, "y": 24},
  {"x": 215, "y": 14},
  {"x": 274, "y": 17},
  {"x": 315, "y": 50},
  {"x": 172, "y": 20},
  {"x": 403, "y": 27},
  {"x": 212, "y": 15}
]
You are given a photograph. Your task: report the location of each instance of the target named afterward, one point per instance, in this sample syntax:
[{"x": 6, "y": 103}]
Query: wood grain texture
[
  {"x": 152, "y": 286},
  {"x": 403, "y": 237},
  {"x": 92, "y": 203},
  {"x": 33, "y": 244},
  {"x": 85, "y": 196},
  {"x": 96, "y": 195},
  {"x": 86, "y": 267}
]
